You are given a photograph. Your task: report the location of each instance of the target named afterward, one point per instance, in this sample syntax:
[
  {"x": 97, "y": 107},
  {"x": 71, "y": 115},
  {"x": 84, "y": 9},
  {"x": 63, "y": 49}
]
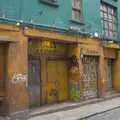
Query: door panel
[
  {"x": 51, "y": 82},
  {"x": 34, "y": 82},
  {"x": 57, "y": 81},
  {"x": 62, "y": 73},
  {"x": 109, "y": 73}
]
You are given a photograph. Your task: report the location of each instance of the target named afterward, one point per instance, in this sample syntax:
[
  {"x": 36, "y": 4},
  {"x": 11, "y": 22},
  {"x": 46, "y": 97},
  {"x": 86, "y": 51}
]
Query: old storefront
[
  {"x": 90, "y": 58},
  {"x": 48, "y": 71},
  {"x": 52, "y": 79}
]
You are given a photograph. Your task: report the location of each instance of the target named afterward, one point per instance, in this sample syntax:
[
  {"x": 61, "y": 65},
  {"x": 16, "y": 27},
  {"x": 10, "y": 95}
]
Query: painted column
[
  {"x": 102, "y": 81},
  {"x": 17, "y": 75},
  {"x": 74, "y": 73}
]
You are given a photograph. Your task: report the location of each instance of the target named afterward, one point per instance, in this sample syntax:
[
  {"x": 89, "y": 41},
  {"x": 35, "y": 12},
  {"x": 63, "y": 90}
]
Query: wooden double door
[{"x": 57, "y": 81}]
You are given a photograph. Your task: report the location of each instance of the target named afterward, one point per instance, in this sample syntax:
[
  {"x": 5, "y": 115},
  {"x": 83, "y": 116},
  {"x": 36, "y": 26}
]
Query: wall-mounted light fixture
[{"x": 96, "y": 34}]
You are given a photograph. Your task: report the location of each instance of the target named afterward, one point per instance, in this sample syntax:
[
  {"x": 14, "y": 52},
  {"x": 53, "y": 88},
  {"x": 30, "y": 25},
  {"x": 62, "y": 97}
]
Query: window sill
[
  {"x": 55, "y": 4},
  {"x": 77, "y": 22},
  {"x": 109, "y": 38}
]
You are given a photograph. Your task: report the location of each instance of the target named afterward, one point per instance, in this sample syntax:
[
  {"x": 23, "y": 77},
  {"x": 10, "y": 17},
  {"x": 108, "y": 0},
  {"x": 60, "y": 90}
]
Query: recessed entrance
[
  {"x": 2, "y": 75},
  {"x": 48, "y": 72}
]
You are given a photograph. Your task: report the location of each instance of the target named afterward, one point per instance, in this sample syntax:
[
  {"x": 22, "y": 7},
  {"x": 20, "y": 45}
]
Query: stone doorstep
[{"x": 67, "y": 106}]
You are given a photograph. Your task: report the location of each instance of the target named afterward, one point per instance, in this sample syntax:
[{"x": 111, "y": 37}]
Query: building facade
[{"x": 56, "y": 50}]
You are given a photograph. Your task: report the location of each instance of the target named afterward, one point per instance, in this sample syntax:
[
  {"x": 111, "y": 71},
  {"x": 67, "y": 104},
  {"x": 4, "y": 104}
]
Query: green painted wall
[
  {"x": 10, "y": 9},
  {"x": 91, "y": 10},
  {"x": 45, "y": 14},
  {"x": 39, "y": 13}
]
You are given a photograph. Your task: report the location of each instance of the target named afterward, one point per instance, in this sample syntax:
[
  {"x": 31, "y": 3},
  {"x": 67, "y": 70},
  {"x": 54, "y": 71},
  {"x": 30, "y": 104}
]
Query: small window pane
[
  {"x": 110, "y": 26},
  {"x": 104, "y": 8},
  {"x": 76, "y": 15},
  {"x": 114, "y": 34},
  {"x": 105, "y": 25},
  {"x": 114, "y": 27},
  {"x": 112, "y": 12},
  {"x": 110, "y": 17},
  {"x": 106, "y": 32},
  {"x": 76, "y": 4},
  {"x": 110, "y": 34},
  {"x": 114, "y": 19},
  {"x": 105, "y": 15}
]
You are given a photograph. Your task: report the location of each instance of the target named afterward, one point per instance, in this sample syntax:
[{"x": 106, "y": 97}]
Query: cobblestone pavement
[{"x": 110, "y": 115}]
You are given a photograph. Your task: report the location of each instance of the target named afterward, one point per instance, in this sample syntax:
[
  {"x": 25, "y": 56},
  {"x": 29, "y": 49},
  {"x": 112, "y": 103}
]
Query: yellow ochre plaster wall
[{"x": 17, "y": 57}]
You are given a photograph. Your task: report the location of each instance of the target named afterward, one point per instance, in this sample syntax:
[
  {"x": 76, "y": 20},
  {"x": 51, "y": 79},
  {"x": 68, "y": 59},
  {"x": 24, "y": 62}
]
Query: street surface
[
  {"x": 110, "y": 115},
  {"x": 110, "y": 110},
  {"x": 104, "y": 110}
]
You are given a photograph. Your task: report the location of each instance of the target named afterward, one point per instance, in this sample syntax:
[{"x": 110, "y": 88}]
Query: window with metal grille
[
  {"x": 77, "y": 10},
  {"x": 109, "y": 21}
]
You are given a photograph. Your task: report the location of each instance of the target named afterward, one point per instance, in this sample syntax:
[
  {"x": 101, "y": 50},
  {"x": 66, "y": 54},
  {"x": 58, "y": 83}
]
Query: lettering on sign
[{"x": 91, "y": 52}]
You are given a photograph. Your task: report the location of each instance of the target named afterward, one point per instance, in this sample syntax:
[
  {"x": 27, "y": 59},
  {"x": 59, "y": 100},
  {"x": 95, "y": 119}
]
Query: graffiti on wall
[
  {"x": 19, "y": 78},
  {"x": 75, "y": 90}
]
